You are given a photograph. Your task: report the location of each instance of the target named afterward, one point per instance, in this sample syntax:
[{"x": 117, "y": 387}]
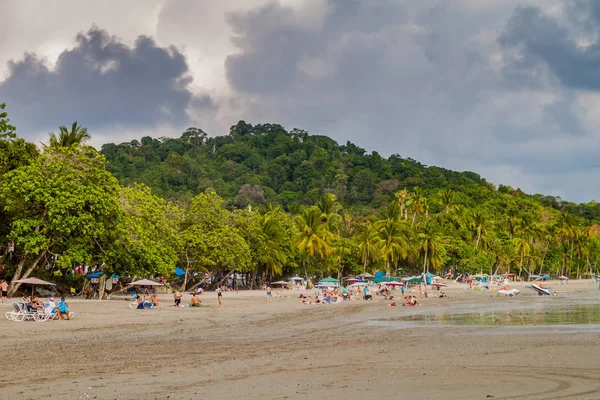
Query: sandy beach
[{"x": 254, "y": 349}]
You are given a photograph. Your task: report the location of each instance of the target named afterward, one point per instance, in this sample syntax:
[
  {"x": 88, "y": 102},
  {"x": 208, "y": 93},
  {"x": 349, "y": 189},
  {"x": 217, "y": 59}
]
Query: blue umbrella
[{"x": 179, "y": 271}]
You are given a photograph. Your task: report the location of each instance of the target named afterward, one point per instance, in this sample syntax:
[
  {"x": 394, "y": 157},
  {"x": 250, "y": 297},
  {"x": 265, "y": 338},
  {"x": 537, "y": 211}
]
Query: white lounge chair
[{"x": 20, "y": 314}]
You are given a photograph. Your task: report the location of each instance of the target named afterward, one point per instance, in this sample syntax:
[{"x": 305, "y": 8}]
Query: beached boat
[{"x": 540, "y": 290}]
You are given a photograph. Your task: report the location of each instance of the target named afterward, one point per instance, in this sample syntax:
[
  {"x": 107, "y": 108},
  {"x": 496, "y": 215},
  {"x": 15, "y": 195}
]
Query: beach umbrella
[
  {"x": 358, "y": 284},
  {"x": 366, "y": 275},
  {"x": 329, "y": 280},
  {"x": 280, "y": 283},
  {"x": 145, "y": 282},
  {"x": 563, "y": 278},
  {"x": 179, "y": 271},
  {"x": 413, "y": 280},
  {"x": 353, "y": 280},
  {"x": 33, "y": 282},
  {"x": 391, "y": 283}
]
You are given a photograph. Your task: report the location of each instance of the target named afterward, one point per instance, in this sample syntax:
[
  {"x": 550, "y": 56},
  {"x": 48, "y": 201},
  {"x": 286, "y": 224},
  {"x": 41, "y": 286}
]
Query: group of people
[
  {"x": 147, "y": 302},
  {"x": 409, "y": 301},
  {"x": 34, "y": 304},
  {"x": 195, "y": 300}
]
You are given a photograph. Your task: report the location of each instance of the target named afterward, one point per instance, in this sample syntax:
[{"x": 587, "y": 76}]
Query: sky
[{"x": 509, "y": 89}]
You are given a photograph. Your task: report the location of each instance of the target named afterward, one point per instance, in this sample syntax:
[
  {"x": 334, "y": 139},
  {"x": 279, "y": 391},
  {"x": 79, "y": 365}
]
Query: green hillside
[{"x": 266, "y": 202}]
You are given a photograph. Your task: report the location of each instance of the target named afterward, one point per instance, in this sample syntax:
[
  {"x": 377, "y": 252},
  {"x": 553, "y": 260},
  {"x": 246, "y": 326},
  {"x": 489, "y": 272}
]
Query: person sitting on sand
[
  {"x": 195, "y": 302},
  {"x": 177, "y": 296},
  {"x": 139, "y": 301},
  {"x": 442, "y": 294},
  {"x": 414, "y": 301},
  {"x": 155, "y": 301}
]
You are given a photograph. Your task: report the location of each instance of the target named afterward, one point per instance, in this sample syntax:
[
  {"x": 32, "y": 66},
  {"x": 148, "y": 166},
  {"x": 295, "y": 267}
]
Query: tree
[
  {"x": 394, "y": 239},
  {"x": 312, "y": 235},
  {"x": 65, "y": 204},
  {"x": 447, "y": 196},
  {"x": 368, "y": 242},
  {"x": 430, "y": 241},
  {"x": 479, "y": 225},
  {"x": 78, "y": 135}
]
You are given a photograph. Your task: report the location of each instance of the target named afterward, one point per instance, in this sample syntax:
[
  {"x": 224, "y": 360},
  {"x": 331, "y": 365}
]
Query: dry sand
[{"x": 252, "y": 349}]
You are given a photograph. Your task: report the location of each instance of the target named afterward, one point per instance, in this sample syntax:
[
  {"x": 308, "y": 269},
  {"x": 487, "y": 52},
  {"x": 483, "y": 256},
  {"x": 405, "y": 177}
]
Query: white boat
[{"x": 540, "y": 290}]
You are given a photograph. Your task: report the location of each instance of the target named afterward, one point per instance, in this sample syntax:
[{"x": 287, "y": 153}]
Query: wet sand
[{"x": 254, "y": 349}]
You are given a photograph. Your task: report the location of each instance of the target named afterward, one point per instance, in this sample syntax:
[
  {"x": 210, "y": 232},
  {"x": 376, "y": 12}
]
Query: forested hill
[{"x": 264, "y": 163}]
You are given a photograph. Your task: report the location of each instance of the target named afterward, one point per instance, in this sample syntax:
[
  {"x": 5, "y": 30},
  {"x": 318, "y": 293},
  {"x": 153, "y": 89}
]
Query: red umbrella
[
  {"x": 353, "y": 280},
  {"x": 391, "y": 283}
]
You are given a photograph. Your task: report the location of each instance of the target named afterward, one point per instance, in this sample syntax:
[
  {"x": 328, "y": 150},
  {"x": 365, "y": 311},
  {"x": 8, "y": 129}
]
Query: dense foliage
[{"x": 269, "y": 202}]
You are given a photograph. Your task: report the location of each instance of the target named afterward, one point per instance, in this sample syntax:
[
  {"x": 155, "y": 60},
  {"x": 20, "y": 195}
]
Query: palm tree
[
  {"x": 76, "y": 136},
  {"x": 430, "y": 241},
  {"x": 312, "y": 235},
  {"x": 392, "y": 212},
  {"x": 523, "y": 248},
  {"x": 402, "y": 198},
  {"x": 447, "y": 196},
  {"x": 329, "y": 208},
  {"x": 479, "y": 225},
  {"x": 416, "y": 202},
  {"x": 274, "y": 237},
  {"x": 368, "y": 243},
  {"x": 394, "y": 241}
]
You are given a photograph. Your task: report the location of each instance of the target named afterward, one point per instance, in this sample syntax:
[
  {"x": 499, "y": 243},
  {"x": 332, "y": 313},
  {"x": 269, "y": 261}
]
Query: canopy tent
[
  {"x": 329, "y": 280},
  {"x": 145, "y": 282},
  {"x": 179, "y": 271},
  {"x": 413, "y": 279},
  {"x": 33, "y": 282},
  {"x": 379, "y": 280},
  {"x": 296, "y": 278},
  {"x": 283, "y": 283}
]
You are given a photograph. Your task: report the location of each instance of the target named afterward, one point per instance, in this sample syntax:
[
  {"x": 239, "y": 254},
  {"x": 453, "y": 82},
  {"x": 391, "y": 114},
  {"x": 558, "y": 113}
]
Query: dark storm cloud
[
  {"x": 100, "y": 82},
  {"x": 538, "y": 42}
]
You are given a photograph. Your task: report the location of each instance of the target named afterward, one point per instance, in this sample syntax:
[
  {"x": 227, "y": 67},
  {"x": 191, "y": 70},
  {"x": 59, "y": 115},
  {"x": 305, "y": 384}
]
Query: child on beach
[
  {"x": 219, "y": 296},
  {"x": 269, "y": 295}
]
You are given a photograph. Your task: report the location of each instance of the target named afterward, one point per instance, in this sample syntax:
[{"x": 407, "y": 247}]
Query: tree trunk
[
  {"x": 101, "y": 286},
  {"x": 478, "y": 238},
  {"x": 365, "y": 267},
  {"x": 425, "y": 261},
  {"x": 544, "y": 258},
  {"x": 15, "y": 286},
  {"x": 187, "y": 269},
  {"x": 308, "y": 283}
]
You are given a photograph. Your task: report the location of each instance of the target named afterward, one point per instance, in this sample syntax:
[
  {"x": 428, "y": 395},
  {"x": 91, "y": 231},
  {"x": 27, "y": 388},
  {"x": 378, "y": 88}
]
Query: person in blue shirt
[{"x": 63, "y": 309}]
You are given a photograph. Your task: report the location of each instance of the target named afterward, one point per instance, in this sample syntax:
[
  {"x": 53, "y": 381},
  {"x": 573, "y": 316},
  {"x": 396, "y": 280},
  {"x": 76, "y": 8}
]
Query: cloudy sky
[{"x": 509, "y": 89}]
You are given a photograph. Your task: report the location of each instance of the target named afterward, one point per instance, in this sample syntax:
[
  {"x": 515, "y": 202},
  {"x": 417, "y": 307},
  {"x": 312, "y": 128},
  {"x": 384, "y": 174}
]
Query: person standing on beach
[
  {"x": 269, "y": 295},
  {"x": 4, "y": 289},
  {"x": 219, "y": 296}
]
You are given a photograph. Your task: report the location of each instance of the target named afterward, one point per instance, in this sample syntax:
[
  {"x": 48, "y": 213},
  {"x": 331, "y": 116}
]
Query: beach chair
[
  {"x": 19, "y": 314},
  {"x": 280, "y": 295}
]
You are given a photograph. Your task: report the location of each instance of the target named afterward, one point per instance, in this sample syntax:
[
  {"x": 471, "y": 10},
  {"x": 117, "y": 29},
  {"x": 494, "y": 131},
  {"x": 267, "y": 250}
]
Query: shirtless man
[
  {"x": 195, "y": 301},
  {"x": 4, "y": 289}
]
